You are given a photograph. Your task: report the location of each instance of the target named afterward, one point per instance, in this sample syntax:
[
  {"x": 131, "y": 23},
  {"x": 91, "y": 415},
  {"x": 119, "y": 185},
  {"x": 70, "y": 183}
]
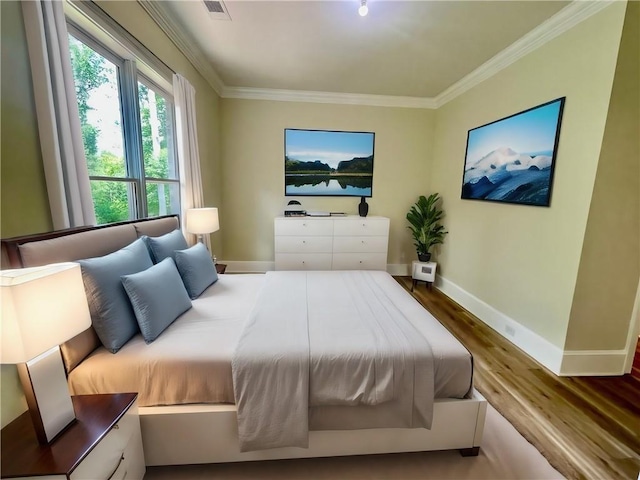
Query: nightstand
[
  {"x": 103, "y": 443},
  {"x": 220, "y": 267}
]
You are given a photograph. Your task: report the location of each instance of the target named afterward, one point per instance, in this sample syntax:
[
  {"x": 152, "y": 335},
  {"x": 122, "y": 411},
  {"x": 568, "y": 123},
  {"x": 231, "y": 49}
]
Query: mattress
[{"x": 190, "y": 362}]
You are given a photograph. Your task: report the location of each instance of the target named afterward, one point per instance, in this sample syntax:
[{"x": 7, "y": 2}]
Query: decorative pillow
[
  {"x": 196, "y": 269},
  {"x": 164, "y": 246},
  {"x": 111, "y": 313},
  {"x": 158, "y": 297}
]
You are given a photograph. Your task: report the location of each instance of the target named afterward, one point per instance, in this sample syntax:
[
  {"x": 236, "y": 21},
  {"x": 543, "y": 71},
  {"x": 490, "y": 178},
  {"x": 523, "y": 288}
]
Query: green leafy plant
[{"x": 424, "y": 218}]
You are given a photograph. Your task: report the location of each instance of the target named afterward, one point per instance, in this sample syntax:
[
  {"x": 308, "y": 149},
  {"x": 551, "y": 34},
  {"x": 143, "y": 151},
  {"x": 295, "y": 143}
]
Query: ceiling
[{"x": 401, "y": 48}]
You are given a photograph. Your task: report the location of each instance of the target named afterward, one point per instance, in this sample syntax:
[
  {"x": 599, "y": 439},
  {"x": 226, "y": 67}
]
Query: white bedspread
[{"x": 327, "y": 338}]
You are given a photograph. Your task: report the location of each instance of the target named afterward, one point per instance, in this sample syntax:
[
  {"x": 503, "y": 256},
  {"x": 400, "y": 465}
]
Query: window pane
[
  {"x": 112, "y": 200},
  {"x": 157, "y": 134},
  {"x": 97, "y": 91},
  {"x": 162, "y": 198}
]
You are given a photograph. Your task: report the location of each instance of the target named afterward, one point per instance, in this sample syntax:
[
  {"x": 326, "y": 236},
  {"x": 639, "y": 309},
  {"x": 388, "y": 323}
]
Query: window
[{"x": 128, "y": 133}]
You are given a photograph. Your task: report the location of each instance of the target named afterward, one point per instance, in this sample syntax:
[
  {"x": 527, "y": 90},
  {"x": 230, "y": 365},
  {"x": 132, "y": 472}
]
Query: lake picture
[
  {"x": 512, "y": 160},
  {"x": 328, "y": 163}
]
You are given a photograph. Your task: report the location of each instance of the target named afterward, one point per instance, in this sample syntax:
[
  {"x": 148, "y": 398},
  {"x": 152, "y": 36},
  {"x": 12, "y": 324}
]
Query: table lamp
[
  {"x": 42, "y": 307},
  {"x": 201, "y": 221}
]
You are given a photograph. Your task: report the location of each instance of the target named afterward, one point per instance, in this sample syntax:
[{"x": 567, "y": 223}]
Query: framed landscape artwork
[
  {"x": 512, "y": 160},
  {"x": 328, "y": 163}
]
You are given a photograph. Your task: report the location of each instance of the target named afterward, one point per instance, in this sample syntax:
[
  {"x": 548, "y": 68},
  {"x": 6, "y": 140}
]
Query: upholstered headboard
[{"x": 75, "y": 244}]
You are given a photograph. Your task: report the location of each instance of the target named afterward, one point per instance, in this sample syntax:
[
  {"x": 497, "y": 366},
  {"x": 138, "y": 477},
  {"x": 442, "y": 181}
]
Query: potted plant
[{"x": 424, "y": 217}]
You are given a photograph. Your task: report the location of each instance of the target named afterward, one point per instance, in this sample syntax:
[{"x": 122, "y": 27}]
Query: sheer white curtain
[
  {"x": 184, "y": 96},
  {"x": 65, "y": 166}
]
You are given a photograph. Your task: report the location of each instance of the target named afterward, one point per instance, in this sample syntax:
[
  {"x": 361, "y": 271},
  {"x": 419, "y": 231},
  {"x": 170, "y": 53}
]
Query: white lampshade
[
  {"x": 42, "y": 307},
  {"x": 202, "y": 220}
]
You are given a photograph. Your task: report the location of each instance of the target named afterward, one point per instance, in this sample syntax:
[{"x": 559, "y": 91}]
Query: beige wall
[
  {"x": 253, "y": 170},
  {"x": 24, "y": 206},
  {"x": 610, "y": 262},
  {"x": 522, "y": 260}
]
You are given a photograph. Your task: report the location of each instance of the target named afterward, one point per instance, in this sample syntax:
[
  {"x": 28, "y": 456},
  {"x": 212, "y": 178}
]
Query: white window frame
[{"x": 93, "y": 27}]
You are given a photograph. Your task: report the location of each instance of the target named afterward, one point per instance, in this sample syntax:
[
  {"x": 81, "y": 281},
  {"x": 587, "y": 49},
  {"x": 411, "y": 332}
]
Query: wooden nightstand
[
  {"x": 220, "y": 267},
  {"x": 103, "y": 443}
]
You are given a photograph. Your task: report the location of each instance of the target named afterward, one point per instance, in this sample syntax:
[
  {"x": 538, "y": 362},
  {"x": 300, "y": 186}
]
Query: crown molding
[
  {"x": 570, "y": 16},
  {"x": 567, "y": 18},
  {"x": 185, "y": 44},
  {"x": 327, "y": 97}
]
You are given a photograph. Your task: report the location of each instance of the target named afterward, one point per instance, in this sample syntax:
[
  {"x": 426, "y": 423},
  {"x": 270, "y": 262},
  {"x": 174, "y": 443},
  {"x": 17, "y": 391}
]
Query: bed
[{"x": 185, "y": 379}]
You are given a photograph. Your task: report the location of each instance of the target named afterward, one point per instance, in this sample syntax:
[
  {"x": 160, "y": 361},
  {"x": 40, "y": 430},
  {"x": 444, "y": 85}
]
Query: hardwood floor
[{"x": 587, "y": 427}]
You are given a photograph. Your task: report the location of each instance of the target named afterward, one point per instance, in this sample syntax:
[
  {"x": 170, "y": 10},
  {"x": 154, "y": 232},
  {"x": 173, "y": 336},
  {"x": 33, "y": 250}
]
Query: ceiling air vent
[{"x": 217, "y": 9}]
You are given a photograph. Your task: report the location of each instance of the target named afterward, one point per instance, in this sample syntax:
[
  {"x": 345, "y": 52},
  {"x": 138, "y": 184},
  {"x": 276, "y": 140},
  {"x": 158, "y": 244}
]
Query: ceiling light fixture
[{"x": 363, "y": 10}]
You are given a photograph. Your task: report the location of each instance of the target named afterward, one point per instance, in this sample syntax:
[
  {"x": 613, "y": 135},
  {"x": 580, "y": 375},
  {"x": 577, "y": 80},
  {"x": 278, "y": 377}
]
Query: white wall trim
[
  {"x": 633, "y": 333},
  {"x": 574, "y": 13},
  {"x": 593, "y": 362},
  {"x": 328, "y": 97},
  {"x": 234, "y": 266},
  {"x": 559, "y": 361},
  {"x": 567, "y": 18},
  {"x": 185, "y": 44},
  {"x": 530, "y": 342}
]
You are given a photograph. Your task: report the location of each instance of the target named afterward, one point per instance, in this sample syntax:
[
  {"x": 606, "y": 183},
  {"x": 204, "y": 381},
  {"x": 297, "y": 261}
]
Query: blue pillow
[
  {"x": 111, "y": 313},
  {"x": 158, "y": 297},
  {"x": 164, "y": 246},
  {"x": 196, "y": 269}
]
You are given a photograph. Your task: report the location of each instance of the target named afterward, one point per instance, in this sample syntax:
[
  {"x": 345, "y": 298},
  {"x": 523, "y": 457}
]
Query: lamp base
[{"x": 47, "y": 393}]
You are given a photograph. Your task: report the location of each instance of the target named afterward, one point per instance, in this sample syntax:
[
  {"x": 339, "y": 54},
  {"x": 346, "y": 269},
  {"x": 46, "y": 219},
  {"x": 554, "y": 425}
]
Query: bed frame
[{"x": 190, "y": 434}]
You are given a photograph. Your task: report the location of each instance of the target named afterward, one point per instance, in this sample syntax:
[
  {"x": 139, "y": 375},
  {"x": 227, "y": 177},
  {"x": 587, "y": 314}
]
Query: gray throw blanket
[{"x": 327, "y": 338}]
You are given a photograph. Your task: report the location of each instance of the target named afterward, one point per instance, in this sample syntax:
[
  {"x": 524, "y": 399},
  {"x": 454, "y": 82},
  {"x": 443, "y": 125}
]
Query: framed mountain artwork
[{"x": 512, "y": 160}]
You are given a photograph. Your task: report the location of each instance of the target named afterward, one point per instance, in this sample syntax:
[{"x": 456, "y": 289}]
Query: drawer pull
[
  {"x": 360, "y": 261},
  {"x": 116, "y": 469},
  {"x": 304, "y": 241}
]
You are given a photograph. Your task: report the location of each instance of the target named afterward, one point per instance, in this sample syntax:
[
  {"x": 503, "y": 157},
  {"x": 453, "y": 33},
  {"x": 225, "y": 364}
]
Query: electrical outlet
[{"x": 510, "y": 330}]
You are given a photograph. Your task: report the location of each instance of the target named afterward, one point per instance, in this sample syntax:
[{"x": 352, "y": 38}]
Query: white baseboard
[
  {"x": 530, "y": 342},
  {"x": 234, "y": 266},
  {"x": 593, "y": 362},
  {"x": 561, "y": 362},
  {"x": 398, "y": 269}
]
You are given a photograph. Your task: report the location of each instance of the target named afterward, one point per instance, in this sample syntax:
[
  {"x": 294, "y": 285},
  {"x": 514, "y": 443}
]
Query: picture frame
[
  {"x": 328, "y": 163},
  {"x": 512, "y": 160}
]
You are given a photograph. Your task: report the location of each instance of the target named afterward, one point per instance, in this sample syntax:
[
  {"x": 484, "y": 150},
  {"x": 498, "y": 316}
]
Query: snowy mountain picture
[{"x": 512, "y": 160}]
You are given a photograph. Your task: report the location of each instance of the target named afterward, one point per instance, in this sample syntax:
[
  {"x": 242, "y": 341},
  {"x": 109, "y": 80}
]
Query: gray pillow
[
  {"x": 111, "y": 313},
  {"x": 164, "y": 246},
  {"x": 158, "y": 297},
  {"x": 196, "y": 269}
]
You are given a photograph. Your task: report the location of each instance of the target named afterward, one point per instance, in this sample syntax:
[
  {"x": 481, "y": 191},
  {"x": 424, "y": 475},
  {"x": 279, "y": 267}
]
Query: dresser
[{"x": 331, "y": 243}]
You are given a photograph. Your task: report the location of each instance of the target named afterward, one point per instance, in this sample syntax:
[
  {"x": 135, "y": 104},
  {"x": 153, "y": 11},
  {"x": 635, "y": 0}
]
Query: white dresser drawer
[
  {"x": 295, "y": 244},
  {"x": 303, "y": 261},
  {"x": 108, "y": 460},
  {"x": 303, "y": 226},
  {"x": 360, "y": 244},
  {"x": 361, "y": 227},
  {"x": 360, "y": 261}
]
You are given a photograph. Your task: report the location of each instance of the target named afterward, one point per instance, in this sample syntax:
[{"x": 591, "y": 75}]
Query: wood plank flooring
[{"x": 587, "y": 427}]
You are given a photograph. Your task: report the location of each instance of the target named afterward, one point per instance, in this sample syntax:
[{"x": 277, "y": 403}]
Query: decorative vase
[
  {"x": 424, "y": 257},
  {"x": 363, "y": 207}
]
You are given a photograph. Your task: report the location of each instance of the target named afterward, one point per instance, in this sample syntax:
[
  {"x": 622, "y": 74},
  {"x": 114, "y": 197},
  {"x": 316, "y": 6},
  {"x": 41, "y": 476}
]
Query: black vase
[{"x": 363, "y": 207}]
